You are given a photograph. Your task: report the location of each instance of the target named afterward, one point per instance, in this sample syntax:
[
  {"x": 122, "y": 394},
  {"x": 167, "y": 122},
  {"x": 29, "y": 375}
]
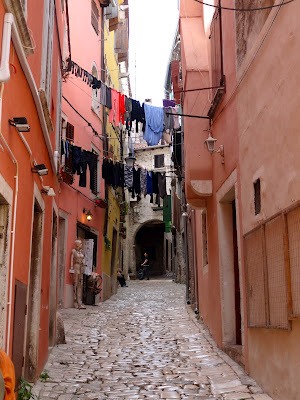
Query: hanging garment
[
  {"x": 136, "y": 184},
  {"x": 168, "y": 119},
  {"x": 128, "y": 107},
  {"x": 154, "y": 117},
  {"x": 162, "y": 187},
  {"x": 108, "y": 97},
  {"x": 105, "y": 170},
  {"x": 114, "y": 114},
  {"x": 103, "y": 94},
  {"x": 76, "y": 160},
  {"x": 149, "y": 187},
  {"x": 176, "y": 111},
  {"x": 89, "y": 159},
  {"x": 128, "y": 176},
  {"x": 137, "y": 113},
  {"x": 143, "y": 180},
  {"x": 155, "y": 187},
  {"x": 122, "y": 108},
  {"x": 168, "y": 103}
]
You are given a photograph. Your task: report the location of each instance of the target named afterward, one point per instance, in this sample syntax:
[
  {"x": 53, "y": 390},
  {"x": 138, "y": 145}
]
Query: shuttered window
[
  {"x": 217, "y": 77},
  {"x": 70, "y": 132},
  {"x": 95, "y": 17}
]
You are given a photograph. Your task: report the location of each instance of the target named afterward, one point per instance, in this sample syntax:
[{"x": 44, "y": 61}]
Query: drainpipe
[
  {"x": 12, "y": 246},
  {"x": 6, "y": 36},
  {"x": 195, "y": 265}
]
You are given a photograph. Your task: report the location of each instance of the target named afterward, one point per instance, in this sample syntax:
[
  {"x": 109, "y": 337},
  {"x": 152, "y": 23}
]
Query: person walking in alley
[
  {"x": 121, "y": 278},
  {"x": 145, "y": 266},
  {"x": 7, "y": 377}
]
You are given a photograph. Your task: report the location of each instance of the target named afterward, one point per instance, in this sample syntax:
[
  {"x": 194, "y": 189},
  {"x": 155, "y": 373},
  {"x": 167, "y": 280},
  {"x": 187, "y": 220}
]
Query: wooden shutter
[
  {"x": 70, "y": 132},
  {"x": 95, "y": 17}
]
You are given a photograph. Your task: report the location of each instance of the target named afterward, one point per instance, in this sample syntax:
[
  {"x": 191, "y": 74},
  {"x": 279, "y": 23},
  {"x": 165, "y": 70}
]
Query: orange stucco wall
[{"x": 18, "y": 101}]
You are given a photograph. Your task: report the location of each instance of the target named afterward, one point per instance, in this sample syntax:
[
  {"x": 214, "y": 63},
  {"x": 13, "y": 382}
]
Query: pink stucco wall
[
  {"x": 86, "y": 52},
  {"x": 199, "y": 163},
  {"x": 269, "y": 122}
]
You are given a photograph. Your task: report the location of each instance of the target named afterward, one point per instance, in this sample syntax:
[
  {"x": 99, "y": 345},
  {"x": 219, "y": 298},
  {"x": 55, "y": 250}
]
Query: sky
[{"x": 152, "y": 30}]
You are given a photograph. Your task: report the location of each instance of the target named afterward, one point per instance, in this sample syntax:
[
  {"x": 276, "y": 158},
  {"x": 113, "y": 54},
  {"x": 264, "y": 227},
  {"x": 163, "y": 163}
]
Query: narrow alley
[{"x": 142, "y": 343}]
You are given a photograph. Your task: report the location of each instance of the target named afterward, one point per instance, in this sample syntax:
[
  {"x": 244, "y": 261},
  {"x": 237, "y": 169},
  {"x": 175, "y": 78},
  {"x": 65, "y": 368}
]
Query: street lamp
[{"x": 130, "y": 160}]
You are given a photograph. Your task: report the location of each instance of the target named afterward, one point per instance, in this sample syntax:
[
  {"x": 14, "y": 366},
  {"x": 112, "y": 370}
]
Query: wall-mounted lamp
[
  {"x": 49, "y": 191},
  {"x": 88, "y": 214},
  {"x": 211, "y": 143},
  {"x": 130, "y": 160},
  {"x": 20, "y": 123},
  {"x": 40, "y": 169}
]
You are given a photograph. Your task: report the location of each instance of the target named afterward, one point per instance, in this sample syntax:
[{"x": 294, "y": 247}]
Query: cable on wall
[{"x": 245, "y": 9}]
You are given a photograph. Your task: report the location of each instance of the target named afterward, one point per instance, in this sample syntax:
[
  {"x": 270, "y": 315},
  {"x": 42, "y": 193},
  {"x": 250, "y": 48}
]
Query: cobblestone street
[{"x": 142, "y": 344}]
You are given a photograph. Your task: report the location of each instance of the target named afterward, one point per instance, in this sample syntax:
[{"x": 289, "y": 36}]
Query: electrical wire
[{"x": 244, "y": 9}]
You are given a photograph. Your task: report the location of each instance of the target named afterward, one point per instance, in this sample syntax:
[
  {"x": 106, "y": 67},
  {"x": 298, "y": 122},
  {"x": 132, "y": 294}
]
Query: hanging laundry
[
  {"x": 137, "y": 113},
  {"x": 136, "y": 184},
  {"x": 168, "y": 119},
  {"x": 128, "y": 107},
  {"x": 89, "y": 159},
  {"x": 149, "y": 187},
  {"x": 76, "y": 160},
  {"x": 108, "y": 97},
  {"x": 122, "y": 108},
  {"x": 154, "y": 117},
  {"x": 162, "y": 187},
  {"x": 143, "y": 181},
  {"x": 176, "y": 111},
  {"x": 103, "y": 94},
  {"x": 128, "y": 176},
  {"x": 114, "y": 114},
  {"x": 169, "y": 103}
]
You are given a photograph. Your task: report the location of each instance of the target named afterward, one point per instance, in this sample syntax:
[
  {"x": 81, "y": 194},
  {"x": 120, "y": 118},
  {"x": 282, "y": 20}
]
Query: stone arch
[{"x": 149, "y": 237}]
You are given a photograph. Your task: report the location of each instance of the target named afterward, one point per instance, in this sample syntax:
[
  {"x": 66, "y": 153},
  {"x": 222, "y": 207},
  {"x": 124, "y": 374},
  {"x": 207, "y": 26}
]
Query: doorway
[
  {"x": 52, "y": 289},
  {"x": 62, "y": 231},
  {"x": 90, "y": 242},
  {"x": 150, "y": 239},
  {"x": 34, "y": 296},
  {"x": 230, "y": 271}
]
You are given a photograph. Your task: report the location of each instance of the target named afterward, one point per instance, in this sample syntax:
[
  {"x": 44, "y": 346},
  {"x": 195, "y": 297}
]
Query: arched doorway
[{"x": 150, "y": 238}]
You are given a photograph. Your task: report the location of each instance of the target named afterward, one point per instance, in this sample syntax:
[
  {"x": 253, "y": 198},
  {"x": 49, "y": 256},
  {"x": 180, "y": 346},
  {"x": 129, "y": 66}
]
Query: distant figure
[
  {"x": 145, "y": 266},
  {"x": 7, "y": 377},
  {"x": 121, "y": 278}
]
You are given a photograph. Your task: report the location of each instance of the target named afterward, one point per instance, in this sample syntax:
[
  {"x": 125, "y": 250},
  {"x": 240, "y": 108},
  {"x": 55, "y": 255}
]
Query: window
[
  {"x": 95, "y": 17},
  {"x": 70, "y": 132},
  {"x": 159, "y": 160},
  {"x": 46, "y": 76},
  {"x": 204, "y": 240},
  {"x": 217, "y": 77},
  {"x": 95, "y": 93},
  {"x": 257, "y": 197},
  {"x": 95, "y": 172}
]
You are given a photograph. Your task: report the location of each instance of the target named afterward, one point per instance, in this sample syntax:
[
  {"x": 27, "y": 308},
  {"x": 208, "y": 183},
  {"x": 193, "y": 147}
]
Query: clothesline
[{"x": 124, "y": 110}]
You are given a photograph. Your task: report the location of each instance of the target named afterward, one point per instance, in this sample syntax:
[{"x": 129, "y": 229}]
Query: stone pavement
[{"x": 142, "y": 344}]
